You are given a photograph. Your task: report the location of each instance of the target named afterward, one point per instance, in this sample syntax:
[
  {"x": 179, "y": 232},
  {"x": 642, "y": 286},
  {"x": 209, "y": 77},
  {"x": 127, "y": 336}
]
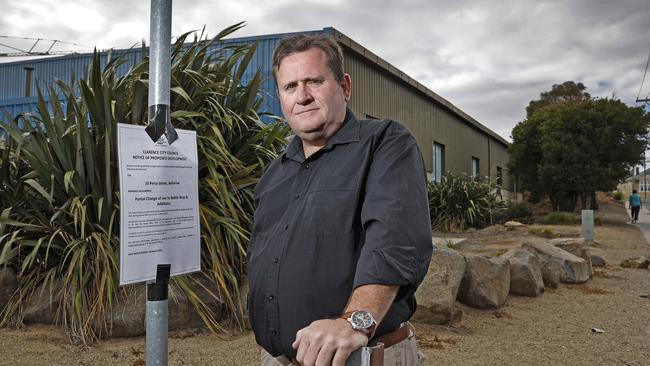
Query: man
[
  {"x": 342, "y": 235},
  {"x": 635, "y": 206}
]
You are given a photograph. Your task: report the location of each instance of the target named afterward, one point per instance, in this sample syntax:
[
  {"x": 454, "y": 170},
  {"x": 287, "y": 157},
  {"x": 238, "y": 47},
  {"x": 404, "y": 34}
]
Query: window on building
[
  {"x": 438, "y": 161},
  {"x": 644, "y": 186},
  {"x": 475, "y": 167}
]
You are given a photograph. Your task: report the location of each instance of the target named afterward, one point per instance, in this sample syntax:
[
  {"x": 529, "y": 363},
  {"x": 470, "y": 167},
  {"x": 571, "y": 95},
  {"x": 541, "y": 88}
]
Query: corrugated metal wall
[{"x": 377, "y": 93}]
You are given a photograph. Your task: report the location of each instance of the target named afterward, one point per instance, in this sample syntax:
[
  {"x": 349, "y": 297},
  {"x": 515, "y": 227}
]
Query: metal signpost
[{"x": 160, "y": 25}]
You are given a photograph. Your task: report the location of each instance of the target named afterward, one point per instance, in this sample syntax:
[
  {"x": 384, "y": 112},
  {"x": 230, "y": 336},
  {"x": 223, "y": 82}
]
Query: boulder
[
  {"x": 525, "y": 272},
  {"x": 437, "y": 292},
  {"x": 468, "y": 246},
  {"x": 640, "y": 262},
  {"x": 513, "y": 224},
  {"x": 43, "y": 305},
  {"x": 486, "y": 281},
  {"x": 8, "y": 285},
  {"x": 597, "y": 261},
  {"x": 574, "y": 269},
  {"x": 551, "y": 273},
  {"x": 179, "y": 309},
  {"x": 244, "y": 289},
  {"x": 129, "y": 312},
  {"x": 210, "y": 294},
  {"x": 130, "y": 309},
  {"x": 575, "y": 246}
]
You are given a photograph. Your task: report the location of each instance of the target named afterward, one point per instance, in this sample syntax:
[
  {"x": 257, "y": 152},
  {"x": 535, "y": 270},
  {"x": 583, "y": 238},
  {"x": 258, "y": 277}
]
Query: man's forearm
[{"x": 375, "y": 299}]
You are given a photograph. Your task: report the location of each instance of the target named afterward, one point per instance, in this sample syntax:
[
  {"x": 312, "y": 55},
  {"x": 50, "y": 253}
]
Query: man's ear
[{"x": 346, "y": 84}]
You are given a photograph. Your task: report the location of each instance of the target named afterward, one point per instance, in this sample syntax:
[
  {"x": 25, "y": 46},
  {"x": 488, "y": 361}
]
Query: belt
[{"x": 393, "y": 337}]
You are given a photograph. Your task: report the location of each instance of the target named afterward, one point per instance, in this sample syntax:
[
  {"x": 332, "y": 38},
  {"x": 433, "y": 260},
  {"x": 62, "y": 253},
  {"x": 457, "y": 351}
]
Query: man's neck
[{"x": 309, "y": 148}]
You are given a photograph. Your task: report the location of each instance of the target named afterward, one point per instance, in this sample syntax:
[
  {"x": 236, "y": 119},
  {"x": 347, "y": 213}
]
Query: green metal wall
[{"x": 378, "y": 93}]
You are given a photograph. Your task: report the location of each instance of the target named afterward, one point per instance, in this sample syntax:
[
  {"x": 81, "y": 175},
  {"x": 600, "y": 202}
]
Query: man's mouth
[{"x": 307, "y": 110}]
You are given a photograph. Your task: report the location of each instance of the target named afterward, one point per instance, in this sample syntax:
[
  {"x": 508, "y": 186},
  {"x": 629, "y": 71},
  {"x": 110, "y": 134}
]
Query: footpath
[{"x": 644, "y": 219}]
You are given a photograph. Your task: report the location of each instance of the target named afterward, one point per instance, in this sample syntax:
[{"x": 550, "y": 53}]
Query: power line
[
  {"x": 642, "y": 81},
  {"x": 31, "y": 52}
]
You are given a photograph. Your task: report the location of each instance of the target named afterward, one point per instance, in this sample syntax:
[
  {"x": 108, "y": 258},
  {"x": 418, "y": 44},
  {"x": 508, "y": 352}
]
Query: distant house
[{"x": 640, "y": 182}]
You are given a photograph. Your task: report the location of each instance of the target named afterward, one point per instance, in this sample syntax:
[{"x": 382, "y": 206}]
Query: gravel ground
[{"x": 553, "y": 329}]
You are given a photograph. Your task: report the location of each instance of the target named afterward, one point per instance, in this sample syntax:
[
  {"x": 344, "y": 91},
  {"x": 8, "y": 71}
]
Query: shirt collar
[{"x": 348, "y": 132}]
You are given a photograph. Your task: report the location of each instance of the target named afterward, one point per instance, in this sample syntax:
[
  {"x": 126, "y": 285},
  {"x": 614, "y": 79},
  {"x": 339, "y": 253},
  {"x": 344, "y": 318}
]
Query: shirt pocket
[{"x": 331, "y": 207}]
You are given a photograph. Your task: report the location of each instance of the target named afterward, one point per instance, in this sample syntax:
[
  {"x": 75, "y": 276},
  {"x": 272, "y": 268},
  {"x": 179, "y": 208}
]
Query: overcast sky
[{"x": 489, "y": 58}]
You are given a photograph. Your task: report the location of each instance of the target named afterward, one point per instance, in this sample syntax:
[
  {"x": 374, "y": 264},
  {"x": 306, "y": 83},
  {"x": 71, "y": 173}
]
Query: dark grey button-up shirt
[{"x": 354, "y": 213}]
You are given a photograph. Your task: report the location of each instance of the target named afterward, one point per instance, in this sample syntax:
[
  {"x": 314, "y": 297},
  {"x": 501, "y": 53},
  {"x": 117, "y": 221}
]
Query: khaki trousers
[{"x": 404, "y": 353}]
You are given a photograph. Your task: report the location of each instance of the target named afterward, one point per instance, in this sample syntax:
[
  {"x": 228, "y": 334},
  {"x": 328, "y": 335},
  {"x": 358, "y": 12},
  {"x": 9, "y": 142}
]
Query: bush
[
  {"x": 59, "y": 181},
  {"x": 618, "y": 196},
  {"x": 560, "y": 218},
  {"x": 517, "y": 211},
  {"x": 459, "y": 201}
]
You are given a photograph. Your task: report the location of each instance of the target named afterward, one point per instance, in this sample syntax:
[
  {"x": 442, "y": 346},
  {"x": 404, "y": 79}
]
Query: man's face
[{"x": 313, "y": 102}]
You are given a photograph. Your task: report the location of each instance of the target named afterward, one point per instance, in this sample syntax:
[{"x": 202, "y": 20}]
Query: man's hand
[{"x": 327, "y": 341}]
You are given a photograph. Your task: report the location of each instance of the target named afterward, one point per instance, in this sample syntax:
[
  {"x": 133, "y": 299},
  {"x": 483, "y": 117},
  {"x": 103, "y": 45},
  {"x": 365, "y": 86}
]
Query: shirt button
[
  {"x": 306, "y": 166},
  {"x": 275, "y": 260},
  {"x": 274, "y": 332},
  {"x": 286, "y": 227},
  {"x": 271, "y": 297},
  {"x": 297, "y": 196}
]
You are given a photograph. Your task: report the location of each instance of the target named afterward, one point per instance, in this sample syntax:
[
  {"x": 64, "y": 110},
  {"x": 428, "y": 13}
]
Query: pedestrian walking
[{"x": 635, "y": 206}]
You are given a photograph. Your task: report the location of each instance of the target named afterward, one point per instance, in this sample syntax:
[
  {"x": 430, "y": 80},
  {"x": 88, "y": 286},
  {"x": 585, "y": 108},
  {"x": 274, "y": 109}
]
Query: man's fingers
[
  {"x": 341, "y": 355},
  {"x": 303, "y": 347},
  {"x": 325, "y": 354},
  {"x": 310, "y": 354},
  {"x": 296, "y": 343}
]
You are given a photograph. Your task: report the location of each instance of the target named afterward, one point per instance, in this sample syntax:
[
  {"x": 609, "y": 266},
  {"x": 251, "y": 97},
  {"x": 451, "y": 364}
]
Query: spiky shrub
[
  {"x": 458, "y": 202},
  {"x": 68, "y": 231}
]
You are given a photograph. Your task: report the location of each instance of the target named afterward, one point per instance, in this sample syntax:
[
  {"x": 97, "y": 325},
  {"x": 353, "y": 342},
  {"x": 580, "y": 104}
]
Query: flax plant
[
  {"x": 61, "y": 231},
  {"x": 458, "y": 202}
]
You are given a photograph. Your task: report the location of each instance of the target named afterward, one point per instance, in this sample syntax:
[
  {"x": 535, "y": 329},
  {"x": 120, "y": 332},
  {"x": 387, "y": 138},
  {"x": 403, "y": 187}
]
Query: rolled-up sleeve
[{"x": 395, "y": 215}]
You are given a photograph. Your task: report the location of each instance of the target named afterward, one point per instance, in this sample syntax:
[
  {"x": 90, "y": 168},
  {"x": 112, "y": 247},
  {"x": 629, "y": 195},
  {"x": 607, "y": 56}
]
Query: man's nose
[{"x": 304, "y": 96}]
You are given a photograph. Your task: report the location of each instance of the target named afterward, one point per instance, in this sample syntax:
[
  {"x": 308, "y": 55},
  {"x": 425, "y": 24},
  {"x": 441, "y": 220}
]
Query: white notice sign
[{"x": 159, "y": 216}]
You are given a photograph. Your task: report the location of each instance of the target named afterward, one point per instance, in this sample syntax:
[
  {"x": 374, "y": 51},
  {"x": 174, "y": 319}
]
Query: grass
[
  {"x": 451, "y": 244},
  {"x": 543, "y": 232}
]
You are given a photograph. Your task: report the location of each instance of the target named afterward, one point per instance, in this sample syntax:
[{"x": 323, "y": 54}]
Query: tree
[
  {"x": 572, "y": 145},
  {"x": 568, "y": 90}
]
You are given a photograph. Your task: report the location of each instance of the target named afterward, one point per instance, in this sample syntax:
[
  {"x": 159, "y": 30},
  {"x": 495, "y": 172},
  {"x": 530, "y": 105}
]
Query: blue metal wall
[{"x": 65, "y": 68}]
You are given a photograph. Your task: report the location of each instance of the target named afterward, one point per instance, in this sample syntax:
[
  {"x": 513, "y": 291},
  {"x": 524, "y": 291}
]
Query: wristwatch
[{"x": 362, "y": 321}]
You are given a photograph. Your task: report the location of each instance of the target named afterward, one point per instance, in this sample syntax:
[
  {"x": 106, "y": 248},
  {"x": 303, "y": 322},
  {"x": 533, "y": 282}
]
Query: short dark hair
[
  {"x": 634, "y": 191},
  {"x": 302, "y": 42}
]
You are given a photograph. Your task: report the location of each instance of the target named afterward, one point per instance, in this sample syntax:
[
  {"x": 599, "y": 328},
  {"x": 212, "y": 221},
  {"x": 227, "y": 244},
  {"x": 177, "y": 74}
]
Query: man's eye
[
  {"x": 290, "y": 87},
  {"x": 314, "y": 82}
]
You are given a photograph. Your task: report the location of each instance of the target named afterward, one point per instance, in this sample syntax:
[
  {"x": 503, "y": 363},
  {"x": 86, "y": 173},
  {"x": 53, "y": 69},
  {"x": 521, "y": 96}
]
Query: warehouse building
[{"x": 450, "y": 140}]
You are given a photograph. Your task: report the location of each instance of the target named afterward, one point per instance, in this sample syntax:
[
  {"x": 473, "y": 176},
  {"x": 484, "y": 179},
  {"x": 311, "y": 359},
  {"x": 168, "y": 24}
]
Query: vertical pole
[
  {"x": 588, "y": 226},
  {"x": 159, "y": 71},
  {"x": 157, "y": 295}
]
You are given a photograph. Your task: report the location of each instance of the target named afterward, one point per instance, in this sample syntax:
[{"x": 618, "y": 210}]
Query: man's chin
[{"x": 311, "y": 136}]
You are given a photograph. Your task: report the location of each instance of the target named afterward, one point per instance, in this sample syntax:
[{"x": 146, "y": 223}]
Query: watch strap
[{"x": 370, "y": 331}]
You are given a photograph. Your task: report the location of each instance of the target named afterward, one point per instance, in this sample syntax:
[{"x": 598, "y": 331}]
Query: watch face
[{"x": 362, "y": 319}]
